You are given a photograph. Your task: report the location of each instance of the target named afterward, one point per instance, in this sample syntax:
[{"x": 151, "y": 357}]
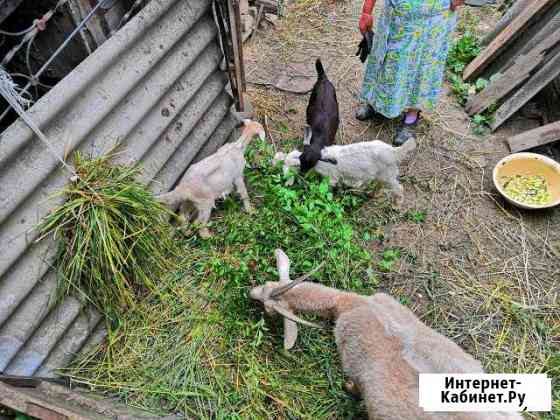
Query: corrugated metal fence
[{"x": 156, "y": 88}]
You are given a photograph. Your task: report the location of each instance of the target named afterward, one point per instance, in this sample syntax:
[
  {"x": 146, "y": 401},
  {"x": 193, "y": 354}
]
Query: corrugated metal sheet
[{"x": 155, "y": 87}]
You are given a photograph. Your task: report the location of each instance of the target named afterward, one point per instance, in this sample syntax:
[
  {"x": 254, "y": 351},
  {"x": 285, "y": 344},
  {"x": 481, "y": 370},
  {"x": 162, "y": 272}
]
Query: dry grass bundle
[{"x": 115, "y": 239}]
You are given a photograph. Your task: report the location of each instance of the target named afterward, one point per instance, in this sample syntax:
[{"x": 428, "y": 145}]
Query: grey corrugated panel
[
  {"x": 26, "y": 319},
  {"x": 191, "y": 118},
  {"x": 23, "y": 275},
  {"x": 156, "y": 88},
  {"x": 30, "y": 358},
  {"x": 67, "y": 348},
  {"x": 81, "y": 124},
  {"x": 172, "y": 103},
  {"x": 95, "y": 338},
  {"x": 220, "y": 136}
]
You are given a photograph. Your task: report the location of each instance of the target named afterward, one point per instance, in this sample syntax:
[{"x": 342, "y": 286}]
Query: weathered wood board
[
  {"x": 514, "y": 11},
  {"x": 507, "y": 36},
  {"x": 534, "y": 138},
  {"x": 536, "y": 32},
  {"x": 513, "y": 77},
  {"x": 536, "y": 83}
]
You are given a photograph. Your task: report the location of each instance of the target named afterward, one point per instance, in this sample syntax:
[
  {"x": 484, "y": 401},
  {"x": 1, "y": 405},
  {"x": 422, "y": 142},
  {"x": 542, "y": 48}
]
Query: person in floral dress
[{"x": 405, "y": 68}]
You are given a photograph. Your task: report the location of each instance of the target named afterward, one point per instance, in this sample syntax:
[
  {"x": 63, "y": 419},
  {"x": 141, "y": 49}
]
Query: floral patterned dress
[{"x": 407, "y": 62}]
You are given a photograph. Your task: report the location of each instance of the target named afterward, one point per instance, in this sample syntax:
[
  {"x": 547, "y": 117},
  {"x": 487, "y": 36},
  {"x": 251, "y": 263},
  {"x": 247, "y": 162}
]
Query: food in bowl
[
  {"x": 528, "y": 189},
  {"x": 528, "y": 180}
]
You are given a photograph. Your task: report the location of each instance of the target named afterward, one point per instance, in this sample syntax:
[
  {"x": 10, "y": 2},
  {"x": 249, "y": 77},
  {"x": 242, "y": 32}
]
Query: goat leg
[
  {"x": 398, "y": 194},
  {"x": 242, "y": 190},
  {"x": 185, "y": 214},
  {"x": 391, "y": 180},
  {"x": 203, "y": 216},
  {"x": 351, "y": 388}
]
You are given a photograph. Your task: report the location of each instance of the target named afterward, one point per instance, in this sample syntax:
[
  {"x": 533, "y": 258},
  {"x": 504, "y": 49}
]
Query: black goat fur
[{"x": 322, "y": 117}]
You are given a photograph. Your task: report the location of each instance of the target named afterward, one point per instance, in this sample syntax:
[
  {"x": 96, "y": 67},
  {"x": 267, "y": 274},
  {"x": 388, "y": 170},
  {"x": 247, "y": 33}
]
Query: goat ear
[
  {"x": 290, "y": 333},
  {"x": 286, "y": 313},
  {"x": 307, "y": 134},
  {"x": 278, "y": 157},
  {"x": 283, "y": 265}
]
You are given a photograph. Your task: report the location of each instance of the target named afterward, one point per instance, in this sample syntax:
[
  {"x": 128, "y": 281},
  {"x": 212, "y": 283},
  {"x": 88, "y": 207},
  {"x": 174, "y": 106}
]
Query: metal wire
[
  {"x": 137, "y": 5},
  {"x": 34, "y": 25},
  {"x": 20, "y": 33},
  {"x": 34, "y": 77},
  {"x": 9, "y": 91}
]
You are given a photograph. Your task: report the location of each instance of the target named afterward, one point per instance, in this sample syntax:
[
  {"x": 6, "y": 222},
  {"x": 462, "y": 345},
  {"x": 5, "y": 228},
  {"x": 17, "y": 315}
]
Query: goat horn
[
  {"x": 283, "y": 289},
  {"x": 291, "y": 316}
]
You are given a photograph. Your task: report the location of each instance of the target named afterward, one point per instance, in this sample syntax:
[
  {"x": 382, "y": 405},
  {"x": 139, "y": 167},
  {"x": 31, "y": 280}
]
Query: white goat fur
[
  {"x": 383, "y": 346},
  {"x": 358, "y": 163},
  {"x": 214, "y": 177}
]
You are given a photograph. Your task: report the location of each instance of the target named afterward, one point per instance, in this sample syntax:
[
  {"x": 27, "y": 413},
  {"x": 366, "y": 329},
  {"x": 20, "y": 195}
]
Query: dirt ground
[{"x": 478, "y": 270}]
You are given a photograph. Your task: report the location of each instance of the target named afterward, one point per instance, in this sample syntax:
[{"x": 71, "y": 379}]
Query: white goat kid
[
  {"x": 358, "y": 163},
  {"x": 214, "y": 177},
  {"x": 383, "y": 346}
]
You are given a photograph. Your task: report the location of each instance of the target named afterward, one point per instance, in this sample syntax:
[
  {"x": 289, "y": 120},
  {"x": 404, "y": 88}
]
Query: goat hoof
[
  {"x": 351, "y": 388},
  {"x": 250, "y": 210}
]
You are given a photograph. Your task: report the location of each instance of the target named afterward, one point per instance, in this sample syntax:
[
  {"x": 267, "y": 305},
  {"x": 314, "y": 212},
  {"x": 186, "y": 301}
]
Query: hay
[
  {"x": 115, "y": 239},
  {"x": 204, "y": 349}
]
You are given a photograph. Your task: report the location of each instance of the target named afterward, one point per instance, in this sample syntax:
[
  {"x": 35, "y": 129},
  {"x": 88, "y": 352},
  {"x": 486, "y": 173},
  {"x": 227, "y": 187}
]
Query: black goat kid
[{"x": 322, "y": 118}]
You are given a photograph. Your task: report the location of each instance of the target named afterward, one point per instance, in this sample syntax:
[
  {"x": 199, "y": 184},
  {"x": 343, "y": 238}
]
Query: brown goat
[{"x": 382, "y": 344}]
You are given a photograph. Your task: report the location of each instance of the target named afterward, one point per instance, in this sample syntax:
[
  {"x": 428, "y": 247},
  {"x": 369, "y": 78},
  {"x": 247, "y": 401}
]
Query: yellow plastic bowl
[{"x": 529, "y": 164}]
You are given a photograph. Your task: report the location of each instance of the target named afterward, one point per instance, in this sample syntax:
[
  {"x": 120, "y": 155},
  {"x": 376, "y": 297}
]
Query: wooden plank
[
  {"x": 514, "y": 11},
  {"x": 534, "y": 138},
  {"x": 512, "y": 77},
  {"x": 536, "y": 83},
  {"x": 551, "y": 26},
  {"x": 504, "y": 83},
  {"x": 507, "y": 36},
  {"x": 259, "y": 17},
  {"x": 31, "y": 381},
  {"x": 270, "y": 6},
  {"x": 535, "y": 33}
]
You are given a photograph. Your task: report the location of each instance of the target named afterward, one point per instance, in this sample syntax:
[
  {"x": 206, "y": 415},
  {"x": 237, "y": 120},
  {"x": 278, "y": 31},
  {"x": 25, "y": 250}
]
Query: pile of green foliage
[
  {"x": 465, "y": 49},
  {"x": 115, "y": 238},
  {"x": 204, "y": 349}
]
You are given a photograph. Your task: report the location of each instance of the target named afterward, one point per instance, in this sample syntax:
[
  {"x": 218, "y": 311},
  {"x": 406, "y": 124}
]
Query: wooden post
[{"x": 235, "y": 25}]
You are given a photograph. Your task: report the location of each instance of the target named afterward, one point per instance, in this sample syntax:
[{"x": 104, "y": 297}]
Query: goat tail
[
  {"x": 320, "y": 69},
  {"x": 406, "y": 149}
]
